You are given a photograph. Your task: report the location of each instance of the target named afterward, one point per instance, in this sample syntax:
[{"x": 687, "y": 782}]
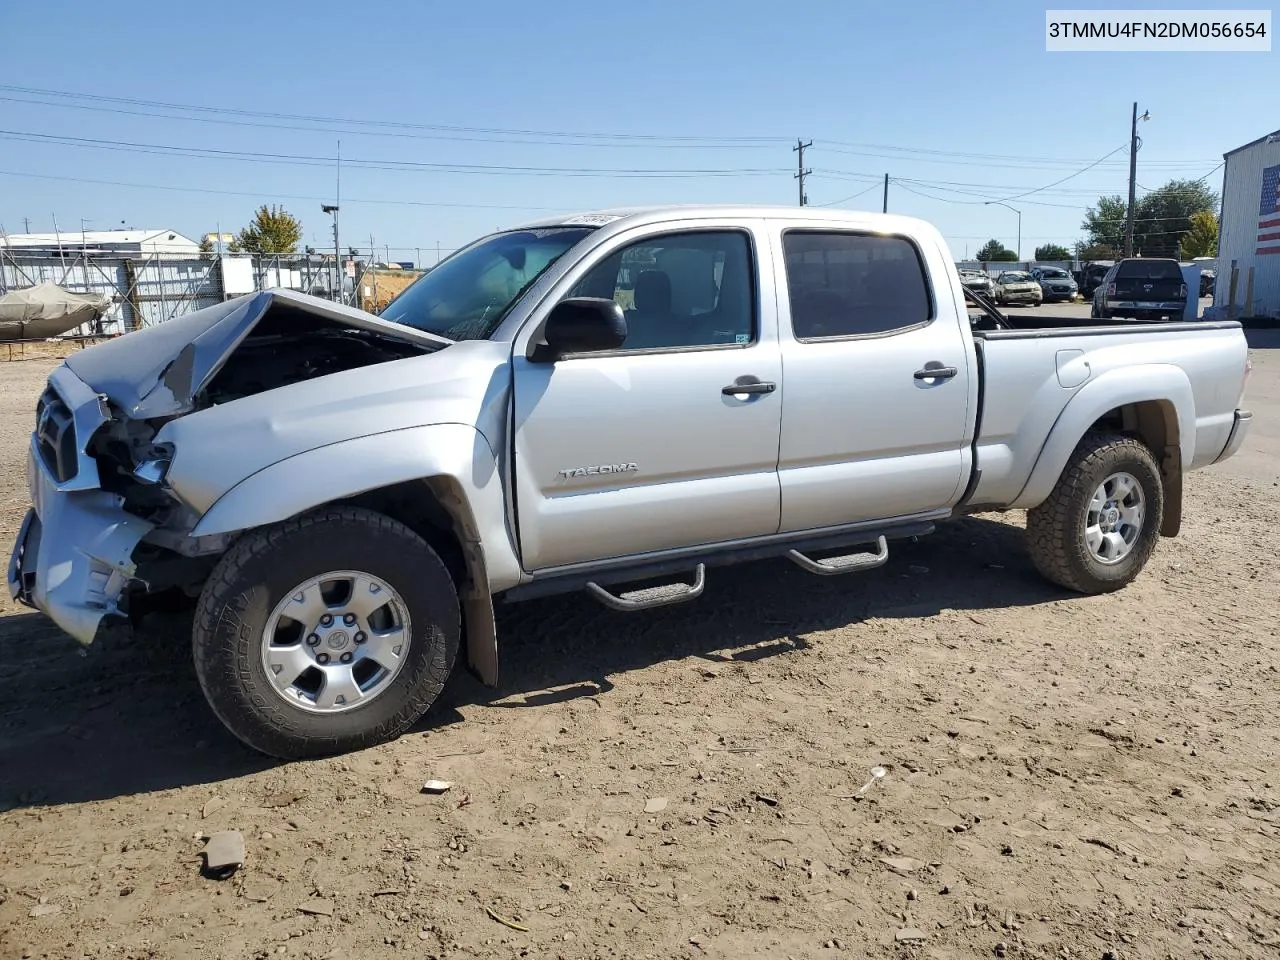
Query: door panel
[
  {"x": 640, "y": 450},
  {"x": 864, "y": 438}
]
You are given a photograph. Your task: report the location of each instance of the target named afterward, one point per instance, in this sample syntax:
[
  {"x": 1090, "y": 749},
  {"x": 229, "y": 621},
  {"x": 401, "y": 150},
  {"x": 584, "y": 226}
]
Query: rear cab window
[
  {"x": 1149, "y": 270},
  {"x": 845, "y": 284}
]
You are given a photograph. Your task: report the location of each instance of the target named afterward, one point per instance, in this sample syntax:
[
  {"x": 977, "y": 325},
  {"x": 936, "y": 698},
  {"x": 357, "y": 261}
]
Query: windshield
[
  {"x": 467, "y": 295},
  {"x": 1014, "y": 276},
  {"x": 1053, "y": 272}
]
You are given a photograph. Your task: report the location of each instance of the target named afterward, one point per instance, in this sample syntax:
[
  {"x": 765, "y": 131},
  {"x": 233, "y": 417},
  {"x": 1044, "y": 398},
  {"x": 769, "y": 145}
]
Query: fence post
[{"x": 131, "y": 295}]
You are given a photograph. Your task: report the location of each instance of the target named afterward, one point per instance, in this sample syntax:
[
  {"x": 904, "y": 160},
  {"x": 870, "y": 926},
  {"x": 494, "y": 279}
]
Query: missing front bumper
[{"x": 73, "y": 556}]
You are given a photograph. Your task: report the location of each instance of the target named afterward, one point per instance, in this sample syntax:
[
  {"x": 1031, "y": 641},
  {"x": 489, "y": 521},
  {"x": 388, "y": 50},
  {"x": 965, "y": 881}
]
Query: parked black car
[
  {"x": 1091, "y": 275},
  {"x": 1141, "y": 288}
]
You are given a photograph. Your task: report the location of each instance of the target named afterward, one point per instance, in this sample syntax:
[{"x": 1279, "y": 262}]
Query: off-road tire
[
  {"x": 253, "y": 576},
  {"x": 1055, "y": 528}
]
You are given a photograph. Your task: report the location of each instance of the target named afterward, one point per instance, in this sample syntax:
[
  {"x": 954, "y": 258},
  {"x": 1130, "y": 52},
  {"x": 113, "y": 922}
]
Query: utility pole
[
  {"x": 801, "y": 172},
  {"x": 1133, "y": 178},
  {"x": 885, "y": 208},
  {"x": 26, "y": 224}
]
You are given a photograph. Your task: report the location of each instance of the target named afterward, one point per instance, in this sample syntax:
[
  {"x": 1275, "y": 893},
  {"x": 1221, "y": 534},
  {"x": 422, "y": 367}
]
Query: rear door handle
[
  {"x": 748, "y": 385},
  {"x": 936, "y": 371}
]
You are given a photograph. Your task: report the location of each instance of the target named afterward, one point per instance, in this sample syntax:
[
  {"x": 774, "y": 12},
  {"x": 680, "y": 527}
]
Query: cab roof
[{"x": 637, "y": 216}]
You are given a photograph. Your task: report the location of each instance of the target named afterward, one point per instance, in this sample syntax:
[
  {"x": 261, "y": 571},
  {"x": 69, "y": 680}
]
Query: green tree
[
  {"x": 1095, "y": 251},
  {"x": 1053, "y": 251},
  {"x": 1164, "y": 216},
  {"x": 1202, "y": 239},
  {"x": 206, "y": 249},
  {"x": 1104, "y": 222},
  {"x": 1160, "y": 220},
  {"x": 272, "y": 230},
  {"x": 995, "y": 251}
]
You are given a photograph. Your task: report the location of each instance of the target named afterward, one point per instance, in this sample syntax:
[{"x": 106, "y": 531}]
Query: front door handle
[
  {"x": 935, "y": 371},
  {"x": 748, "y": 385}
]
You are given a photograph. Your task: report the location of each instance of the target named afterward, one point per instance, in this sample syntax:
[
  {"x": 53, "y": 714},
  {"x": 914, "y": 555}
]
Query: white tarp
[{"x": 47, "y": 310}]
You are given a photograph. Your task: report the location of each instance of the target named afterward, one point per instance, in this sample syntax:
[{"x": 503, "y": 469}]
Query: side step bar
[
  {"x": 849, "y": 563},
  {"x": 649, "y": 597},
  {"x": 667, "y": 593},
  {"x": 671, "y": 567}
]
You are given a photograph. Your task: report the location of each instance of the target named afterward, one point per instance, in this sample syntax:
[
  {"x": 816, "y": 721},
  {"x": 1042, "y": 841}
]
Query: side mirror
[{"x": 582, "y": 324}]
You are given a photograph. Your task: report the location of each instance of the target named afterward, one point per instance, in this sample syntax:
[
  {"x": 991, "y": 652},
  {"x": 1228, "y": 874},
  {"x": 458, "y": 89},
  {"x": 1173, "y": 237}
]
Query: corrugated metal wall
[
  {"x": 1238, "y": 241},
  {"x": 146, "y": 290}
]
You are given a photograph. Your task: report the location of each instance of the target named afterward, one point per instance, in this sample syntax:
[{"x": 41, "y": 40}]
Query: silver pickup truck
[{"x": 610, "y": 403}]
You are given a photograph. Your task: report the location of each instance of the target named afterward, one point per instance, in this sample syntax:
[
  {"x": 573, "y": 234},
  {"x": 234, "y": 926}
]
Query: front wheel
[
  {"x": 1099, "y": 526},
  {"x": 328, "y": 633}
]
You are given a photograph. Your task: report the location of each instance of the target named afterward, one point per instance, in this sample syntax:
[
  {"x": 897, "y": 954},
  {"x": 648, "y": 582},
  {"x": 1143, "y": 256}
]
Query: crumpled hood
[
  {"x": 218, "y": 447},
  {"x": 158, "y": 371}
]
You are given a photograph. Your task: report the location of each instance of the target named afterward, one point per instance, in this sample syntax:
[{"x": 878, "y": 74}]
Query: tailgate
[{"x": 1153, "y": 288}]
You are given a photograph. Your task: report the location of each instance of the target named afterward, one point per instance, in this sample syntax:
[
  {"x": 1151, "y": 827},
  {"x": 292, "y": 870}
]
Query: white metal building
[
  {"x": 72, "y": 242},
  {"x": 1249, "y": 241}
]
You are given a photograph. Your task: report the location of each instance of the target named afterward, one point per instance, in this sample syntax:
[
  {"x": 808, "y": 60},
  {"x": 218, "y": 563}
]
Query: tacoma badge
[{"x": 595, "y": 471}]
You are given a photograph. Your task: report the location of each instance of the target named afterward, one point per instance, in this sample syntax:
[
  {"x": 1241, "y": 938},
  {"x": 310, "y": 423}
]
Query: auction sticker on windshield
[{"x": 591, "y": 219}]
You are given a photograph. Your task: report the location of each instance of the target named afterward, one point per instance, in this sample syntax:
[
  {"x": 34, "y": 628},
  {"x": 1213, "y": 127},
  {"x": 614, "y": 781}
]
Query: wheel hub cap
[
  {"x": 1113, "y": 520},
  {"x": 336, "y": 641}
]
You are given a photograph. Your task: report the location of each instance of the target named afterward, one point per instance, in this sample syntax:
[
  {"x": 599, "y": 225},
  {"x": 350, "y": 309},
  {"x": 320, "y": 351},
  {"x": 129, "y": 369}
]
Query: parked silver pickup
[{"x": 609, "y": 402}]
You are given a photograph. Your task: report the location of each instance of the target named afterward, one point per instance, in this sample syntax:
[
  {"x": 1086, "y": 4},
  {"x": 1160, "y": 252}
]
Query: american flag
[{"x": 1269, "y": 212}]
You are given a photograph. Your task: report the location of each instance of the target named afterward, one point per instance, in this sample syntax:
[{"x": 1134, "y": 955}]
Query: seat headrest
[{"x": 653, "y": 292}]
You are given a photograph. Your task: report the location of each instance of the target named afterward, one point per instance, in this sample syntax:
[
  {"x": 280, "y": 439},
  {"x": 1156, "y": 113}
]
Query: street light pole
[{"x": 1000, "y": 203}]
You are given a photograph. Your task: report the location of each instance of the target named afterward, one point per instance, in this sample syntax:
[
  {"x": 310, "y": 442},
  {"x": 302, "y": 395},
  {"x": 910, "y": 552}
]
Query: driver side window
[{"x": 680, "y": 289}]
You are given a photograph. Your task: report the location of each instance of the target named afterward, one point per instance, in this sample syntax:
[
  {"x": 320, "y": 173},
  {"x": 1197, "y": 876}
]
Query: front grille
[{"x": 56, "y": 435}]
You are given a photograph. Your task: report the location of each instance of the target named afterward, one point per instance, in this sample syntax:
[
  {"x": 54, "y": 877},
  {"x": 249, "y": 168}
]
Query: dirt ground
[{"x": 1066, "y": 776}]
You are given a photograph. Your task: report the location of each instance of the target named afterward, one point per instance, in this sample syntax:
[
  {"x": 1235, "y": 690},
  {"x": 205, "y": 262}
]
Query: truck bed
[{"x": 1030, "y": 374}]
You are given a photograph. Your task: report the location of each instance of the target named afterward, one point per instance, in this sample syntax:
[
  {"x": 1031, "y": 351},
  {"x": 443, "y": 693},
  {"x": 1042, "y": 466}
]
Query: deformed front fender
[
  {"x": 1163, "y": 383},
  {"x": 457, "y": 464}
]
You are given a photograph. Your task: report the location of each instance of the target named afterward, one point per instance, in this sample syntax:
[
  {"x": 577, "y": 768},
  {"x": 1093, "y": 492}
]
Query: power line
[
  {"x": 399, "y": 201},
  {"x": 400, "y": 134},
  {"x": 979, "y": 156},
  {"x": 393, "y": 124},
  {"x": 1025, "y": 163},
  {"x": 1066, "y": 178},
  {"x": 855, "y": 196},
  {"x": 421, "y": 165}
]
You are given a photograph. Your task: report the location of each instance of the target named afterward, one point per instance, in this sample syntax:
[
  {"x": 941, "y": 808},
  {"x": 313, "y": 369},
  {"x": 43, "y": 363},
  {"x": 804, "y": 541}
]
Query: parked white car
[{"x": 1017, "y": 286}]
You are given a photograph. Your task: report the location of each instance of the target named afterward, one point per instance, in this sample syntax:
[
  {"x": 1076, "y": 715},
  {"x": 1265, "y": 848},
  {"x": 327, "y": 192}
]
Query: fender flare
[
  {"x": 458, "y": 466},
  {"x": 1164, "y": 383}
]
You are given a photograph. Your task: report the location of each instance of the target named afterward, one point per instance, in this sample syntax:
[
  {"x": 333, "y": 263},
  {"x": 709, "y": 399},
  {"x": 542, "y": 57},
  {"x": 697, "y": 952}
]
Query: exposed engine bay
[{"x": 289, "y": 346}]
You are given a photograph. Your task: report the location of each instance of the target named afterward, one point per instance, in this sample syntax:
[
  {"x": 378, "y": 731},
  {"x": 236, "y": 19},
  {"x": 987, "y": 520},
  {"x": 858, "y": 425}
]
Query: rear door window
[
  {"x": 853, "y": 285},
  {"x": 1149, "y": 270}
]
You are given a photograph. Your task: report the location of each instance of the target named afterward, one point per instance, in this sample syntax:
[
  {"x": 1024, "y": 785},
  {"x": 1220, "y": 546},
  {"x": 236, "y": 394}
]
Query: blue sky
[{"x": 959, "y": 102}]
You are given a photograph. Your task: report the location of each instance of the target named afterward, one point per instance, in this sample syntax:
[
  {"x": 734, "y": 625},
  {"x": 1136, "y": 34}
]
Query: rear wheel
[
  {"x": 1099, "y": 526},
  {"x": 325, "y": 634}
]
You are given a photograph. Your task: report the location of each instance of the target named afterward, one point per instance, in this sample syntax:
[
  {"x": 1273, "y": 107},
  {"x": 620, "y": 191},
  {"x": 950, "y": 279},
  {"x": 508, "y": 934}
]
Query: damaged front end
[{"x": 106, "y": 536}]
